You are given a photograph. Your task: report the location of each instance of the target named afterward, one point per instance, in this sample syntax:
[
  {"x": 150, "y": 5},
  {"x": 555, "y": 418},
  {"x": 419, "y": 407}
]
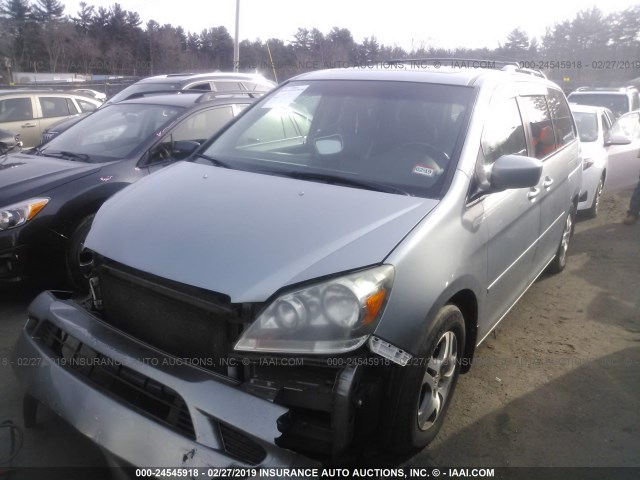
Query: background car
[
  {"x": 100, "y": 96},
  {"x": 149, "y": 86},
  {"x": 623, "y": 147},
  {"x": 47, "y": 200},
  {"x": 594, "y": 124},
  {"x": 618, "y": 100},
  {"x": 214, "y": 82},
  {"x": 9, "y": 142},
  {"x": 28, "y": 112}
]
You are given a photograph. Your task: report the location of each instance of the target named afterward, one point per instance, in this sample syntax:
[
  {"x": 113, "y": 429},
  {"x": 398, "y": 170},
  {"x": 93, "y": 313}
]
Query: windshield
[
  {"x": 111, "y": 133},
  {"x": 369, "y": 133},
  {"x": 138, "y": 88},
  {"x": 587, "y": 124},
  {"x": 617, "y": 103}
]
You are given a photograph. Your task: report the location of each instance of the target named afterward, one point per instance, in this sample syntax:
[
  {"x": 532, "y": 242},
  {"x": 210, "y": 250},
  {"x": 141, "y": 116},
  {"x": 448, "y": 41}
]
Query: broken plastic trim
[{"x": 389, "y": 351}]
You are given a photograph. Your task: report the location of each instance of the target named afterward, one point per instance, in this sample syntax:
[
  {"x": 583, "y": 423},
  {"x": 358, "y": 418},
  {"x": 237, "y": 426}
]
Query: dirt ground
[{"x": 558, "y": 385}]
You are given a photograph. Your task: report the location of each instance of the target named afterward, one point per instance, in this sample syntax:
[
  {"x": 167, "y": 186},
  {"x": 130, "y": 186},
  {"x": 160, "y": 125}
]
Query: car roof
[
  {"x": 38, "y": 91},
  {"x": 465, "y": 76},
  {"x": 608, "y": 91}
]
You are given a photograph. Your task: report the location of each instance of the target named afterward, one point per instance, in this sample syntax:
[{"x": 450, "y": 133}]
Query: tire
[
  {"x": 75, "y": 261},
  {"x": 592, "y": 211},
  {"x": 560, "y": 260},
  {"x": 423, "y": 390}
]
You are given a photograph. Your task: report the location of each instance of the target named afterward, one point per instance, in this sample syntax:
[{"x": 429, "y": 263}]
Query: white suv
[{"x": 618, "y": 100}]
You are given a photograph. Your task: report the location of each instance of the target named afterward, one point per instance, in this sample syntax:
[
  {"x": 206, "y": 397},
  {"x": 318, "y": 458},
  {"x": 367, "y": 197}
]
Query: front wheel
[{"x": 423, "y": 390}]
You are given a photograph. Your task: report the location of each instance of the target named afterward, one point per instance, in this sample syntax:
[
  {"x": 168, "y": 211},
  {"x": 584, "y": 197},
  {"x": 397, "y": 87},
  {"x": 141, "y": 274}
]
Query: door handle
[
  {"x": 533, "y": 193},
  {"x": 28, "y": 125},
  {"x": 547, "y": 182}
]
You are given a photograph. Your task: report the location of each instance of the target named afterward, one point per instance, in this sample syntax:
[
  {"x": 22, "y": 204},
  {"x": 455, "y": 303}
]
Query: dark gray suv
[{"x": 313, "y": 282}]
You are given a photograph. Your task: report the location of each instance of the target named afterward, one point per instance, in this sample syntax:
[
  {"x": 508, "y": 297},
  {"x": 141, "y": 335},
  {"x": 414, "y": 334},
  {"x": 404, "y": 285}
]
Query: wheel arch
[
  {"x": 467, "y": 303},
  {"x": 82, "y": 205}
]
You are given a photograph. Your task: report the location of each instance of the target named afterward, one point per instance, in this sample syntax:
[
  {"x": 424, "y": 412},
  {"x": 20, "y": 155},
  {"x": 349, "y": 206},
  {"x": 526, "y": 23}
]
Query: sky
[{"x": 405, "y": 23}]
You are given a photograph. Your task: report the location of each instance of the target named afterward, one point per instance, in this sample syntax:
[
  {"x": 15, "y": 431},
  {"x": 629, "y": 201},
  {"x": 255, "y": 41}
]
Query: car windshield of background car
[{"x": 113, "y": 132}]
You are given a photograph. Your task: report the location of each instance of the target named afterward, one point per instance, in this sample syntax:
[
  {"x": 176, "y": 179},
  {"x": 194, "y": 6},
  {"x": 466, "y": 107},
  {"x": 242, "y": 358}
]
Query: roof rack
[
  {"x": 206, "y": 96},
  {"x": 204, "y": 93},
  {"x": 476, "y": 62},
  {"x": 528, "y": 71},
  {"x": 505, "y": 65}
]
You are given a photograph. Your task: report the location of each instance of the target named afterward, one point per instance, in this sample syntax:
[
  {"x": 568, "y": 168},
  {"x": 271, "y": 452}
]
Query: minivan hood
[
  {"x": 23, "y": 176},
  {"x": 247, "y": 234}
]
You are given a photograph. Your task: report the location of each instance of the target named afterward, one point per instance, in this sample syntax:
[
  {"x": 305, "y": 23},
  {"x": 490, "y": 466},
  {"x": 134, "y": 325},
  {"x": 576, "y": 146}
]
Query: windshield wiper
[
  {"x": 83, "y": 157},
  {"x": 214, "y": 161},
  {"x": 350, "y": 182}
]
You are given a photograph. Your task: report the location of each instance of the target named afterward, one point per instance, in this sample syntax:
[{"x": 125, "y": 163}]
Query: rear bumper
[{"x": 229, "y": 427}]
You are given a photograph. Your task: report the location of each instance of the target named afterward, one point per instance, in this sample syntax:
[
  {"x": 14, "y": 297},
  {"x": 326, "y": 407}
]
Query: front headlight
[
  {"x": 335, "y": 316},
  {"x": 586, "y": 163},
  {"x": 20, "y": 213}
]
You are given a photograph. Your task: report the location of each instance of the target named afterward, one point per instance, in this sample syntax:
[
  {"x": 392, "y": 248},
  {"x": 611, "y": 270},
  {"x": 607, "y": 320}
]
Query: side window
[
  {"x": 204, "y": 86},
  {"x": 202, "y": 125},
  {"x": 562, "y": 119},
  {"x": 197, "y": 128},
  {"x": 54, "y": 107},
  {"x": 503, "y": 133},
  {"x": 16, "y": 110},
  {"x": 540, "y": 125},
  {"x": 86, "y": 106},
  {"x": 227, "y": 86}
]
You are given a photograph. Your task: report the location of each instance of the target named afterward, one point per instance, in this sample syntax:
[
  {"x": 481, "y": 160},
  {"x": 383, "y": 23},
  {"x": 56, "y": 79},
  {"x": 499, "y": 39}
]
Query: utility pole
[{"x": 236, "y": 44}]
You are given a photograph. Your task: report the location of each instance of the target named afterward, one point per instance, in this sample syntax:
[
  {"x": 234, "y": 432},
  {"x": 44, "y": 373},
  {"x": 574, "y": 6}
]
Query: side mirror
[
  {"x": 514, "y": 171},
  {"x": 617, "y": 139},
  {"x": 183, "y": 148}
]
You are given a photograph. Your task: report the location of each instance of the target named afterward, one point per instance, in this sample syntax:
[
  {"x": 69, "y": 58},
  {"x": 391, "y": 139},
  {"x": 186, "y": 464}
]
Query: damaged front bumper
[{"x": 138, "y": 403}]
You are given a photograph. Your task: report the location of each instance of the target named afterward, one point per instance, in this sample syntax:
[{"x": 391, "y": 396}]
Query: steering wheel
[{"x": 431, "y": 157}]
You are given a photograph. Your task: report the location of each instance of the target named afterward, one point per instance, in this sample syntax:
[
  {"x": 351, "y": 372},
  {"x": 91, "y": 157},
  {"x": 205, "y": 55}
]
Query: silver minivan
[{"x": 313, "y": 282}]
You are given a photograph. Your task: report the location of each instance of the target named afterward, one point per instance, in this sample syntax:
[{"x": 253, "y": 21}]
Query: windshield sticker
[
  {"x": 285, "y": 96},
  {"x": 423, "y": 170}
]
